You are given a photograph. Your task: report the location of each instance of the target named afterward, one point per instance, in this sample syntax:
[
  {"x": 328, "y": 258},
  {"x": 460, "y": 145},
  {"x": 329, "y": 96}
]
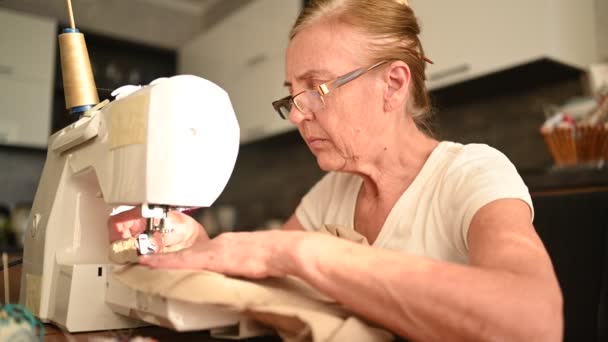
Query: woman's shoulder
[
  {"x": 462, "y": 157},
  {"x": 471, "y": 151}
]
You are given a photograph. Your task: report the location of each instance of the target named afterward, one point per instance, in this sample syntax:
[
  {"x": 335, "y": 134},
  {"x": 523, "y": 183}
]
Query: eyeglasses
[{"x": 311, "y": 100}]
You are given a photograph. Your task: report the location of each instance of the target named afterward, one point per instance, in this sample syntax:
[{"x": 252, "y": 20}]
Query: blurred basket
[{"x": 577, "y": 144}]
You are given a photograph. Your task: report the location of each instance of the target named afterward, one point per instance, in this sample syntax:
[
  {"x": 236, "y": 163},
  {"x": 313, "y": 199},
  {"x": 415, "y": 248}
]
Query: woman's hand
[
  {"x": 185, "y": 229},
  {"x": 251, "y": 255}
]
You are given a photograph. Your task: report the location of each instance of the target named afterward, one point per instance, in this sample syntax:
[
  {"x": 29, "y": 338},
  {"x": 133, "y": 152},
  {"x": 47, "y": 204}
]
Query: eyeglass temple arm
[{"x": 327, "y": 87}]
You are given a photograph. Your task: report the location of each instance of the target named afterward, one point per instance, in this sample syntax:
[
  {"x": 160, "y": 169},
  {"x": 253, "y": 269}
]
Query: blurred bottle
[
  {"x": 273, "y": 223},
  {"x": 209, "y": 222},
  {"x": 6, "y": 235},
  {"x": 226, "y": 217},
  {"x": 19, "y": 218}
]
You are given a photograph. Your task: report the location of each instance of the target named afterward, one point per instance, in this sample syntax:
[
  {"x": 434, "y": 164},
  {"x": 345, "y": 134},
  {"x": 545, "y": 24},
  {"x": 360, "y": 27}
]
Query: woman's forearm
[{"x": 429, "y": 300}]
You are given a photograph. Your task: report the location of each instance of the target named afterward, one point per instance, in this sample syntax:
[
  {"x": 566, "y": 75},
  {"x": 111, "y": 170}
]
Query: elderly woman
[{"x": 453, "y": 255}]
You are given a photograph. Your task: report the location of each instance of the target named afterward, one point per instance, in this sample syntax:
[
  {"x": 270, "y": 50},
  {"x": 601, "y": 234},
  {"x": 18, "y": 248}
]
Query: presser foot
[
  {"x": 157, "y": 217},
  {"x": 145, "y": 245}
]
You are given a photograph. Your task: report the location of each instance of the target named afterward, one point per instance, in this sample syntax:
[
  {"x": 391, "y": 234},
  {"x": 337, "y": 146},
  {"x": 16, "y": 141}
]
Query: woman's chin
[{"x": 327, "y": 163}]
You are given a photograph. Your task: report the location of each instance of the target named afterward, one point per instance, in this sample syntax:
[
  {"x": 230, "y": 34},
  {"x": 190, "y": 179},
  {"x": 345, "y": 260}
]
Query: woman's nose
[{"x": 296, "y": 116}]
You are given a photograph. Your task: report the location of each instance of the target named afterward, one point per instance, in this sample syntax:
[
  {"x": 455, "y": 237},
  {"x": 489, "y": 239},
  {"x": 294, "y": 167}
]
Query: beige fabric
[
  {"x": 124, "y": 251},
  {"x": 432, "y": 217},
  {"x": 291, "y": 307},
  {"x": 344, "y": 233}
]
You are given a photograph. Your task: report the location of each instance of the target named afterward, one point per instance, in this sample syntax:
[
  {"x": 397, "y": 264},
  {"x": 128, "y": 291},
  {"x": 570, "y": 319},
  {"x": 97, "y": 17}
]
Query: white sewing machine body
[{"x": 174, "y": 143}]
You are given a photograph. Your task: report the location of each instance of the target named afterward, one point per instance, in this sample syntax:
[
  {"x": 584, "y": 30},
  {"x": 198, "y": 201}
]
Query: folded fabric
[
  {"x": 295, "y": 310},
  {"x": 343, "y": 233}
]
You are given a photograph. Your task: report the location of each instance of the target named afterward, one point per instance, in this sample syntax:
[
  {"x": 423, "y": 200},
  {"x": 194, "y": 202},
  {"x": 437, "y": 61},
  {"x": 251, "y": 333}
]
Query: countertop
[{"x": 564, "y": 179}]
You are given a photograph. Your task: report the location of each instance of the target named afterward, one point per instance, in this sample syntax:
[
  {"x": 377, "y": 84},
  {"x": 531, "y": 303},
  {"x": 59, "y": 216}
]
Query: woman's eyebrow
[{"x": 313, "y": 74}]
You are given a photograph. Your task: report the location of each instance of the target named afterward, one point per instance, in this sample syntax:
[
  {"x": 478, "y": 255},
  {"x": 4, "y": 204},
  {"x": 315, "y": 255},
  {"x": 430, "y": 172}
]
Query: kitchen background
[
  {"x": 497, "y": 70},
  {"x": 499, "y": 101}
]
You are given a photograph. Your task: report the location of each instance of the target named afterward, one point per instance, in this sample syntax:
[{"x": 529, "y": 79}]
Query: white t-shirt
[{"x": 432, "y": 217}]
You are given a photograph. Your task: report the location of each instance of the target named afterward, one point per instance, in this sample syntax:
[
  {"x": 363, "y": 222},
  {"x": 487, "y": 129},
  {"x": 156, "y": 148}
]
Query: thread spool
[{"x": 78, "y": 82}]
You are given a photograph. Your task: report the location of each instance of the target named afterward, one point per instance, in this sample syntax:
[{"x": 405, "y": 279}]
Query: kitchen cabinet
[
  {"x": 27, "y": 59},
  {"x": 472, "y": 38},
  {"x": 245, "y": 54},
  {"x": 572, "y": 226}
]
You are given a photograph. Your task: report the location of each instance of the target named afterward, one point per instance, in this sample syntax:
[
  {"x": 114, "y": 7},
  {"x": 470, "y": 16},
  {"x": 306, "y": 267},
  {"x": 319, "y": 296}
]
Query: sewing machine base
[
  {"x": 169, "y": 313},
  {"x": 84, "y": 307},
  {"x": 80, "y": 301}
]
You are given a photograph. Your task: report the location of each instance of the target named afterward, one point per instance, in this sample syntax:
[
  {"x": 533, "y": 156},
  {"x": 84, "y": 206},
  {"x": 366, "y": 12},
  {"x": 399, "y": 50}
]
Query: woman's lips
[{"x": 316, "y": 142}]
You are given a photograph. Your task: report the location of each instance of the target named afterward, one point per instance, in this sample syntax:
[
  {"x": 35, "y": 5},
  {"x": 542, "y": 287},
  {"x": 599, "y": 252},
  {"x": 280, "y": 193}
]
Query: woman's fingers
[
  {"x": 174, "y": 240},
  {"x": 165, "y": 260},
  {"x": 182, "y": 232},
  {"x": 202, "y": 254},
  {"x": 126, "y": 224},
  {"x": 250, "y": 255}
]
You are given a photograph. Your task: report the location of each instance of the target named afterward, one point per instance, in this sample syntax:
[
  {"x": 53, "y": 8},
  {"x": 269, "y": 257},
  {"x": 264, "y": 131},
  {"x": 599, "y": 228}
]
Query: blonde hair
[{"x": 393, "y": 29}]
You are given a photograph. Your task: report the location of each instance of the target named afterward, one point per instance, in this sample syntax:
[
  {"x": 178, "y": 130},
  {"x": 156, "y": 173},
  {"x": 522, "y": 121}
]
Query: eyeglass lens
[
  {"x": 284, "y": 109},
  {"x": 309, "y": 101}
]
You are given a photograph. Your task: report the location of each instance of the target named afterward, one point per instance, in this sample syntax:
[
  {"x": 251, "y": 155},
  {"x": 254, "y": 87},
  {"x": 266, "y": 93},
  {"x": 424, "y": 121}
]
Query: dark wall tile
[
  {"x": 20, "y": 170},
  {"x": 509, "y": 121},
  {"x": 504, "y": 110},
  {"x": 272, "y": 175},
  {"x": 270, "y": 178}
]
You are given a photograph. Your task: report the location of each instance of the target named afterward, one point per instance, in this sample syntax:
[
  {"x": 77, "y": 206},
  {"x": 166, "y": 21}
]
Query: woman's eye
[
  {"x": 313, "y": 81},
  {"x": 315, "y": 84}
]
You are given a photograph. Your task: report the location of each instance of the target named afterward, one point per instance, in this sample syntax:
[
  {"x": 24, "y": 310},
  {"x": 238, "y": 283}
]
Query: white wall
[{"x": 158, "y": 23}]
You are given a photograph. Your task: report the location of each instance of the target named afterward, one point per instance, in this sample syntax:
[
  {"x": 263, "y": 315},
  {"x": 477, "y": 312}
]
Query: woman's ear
[{"x": 397, "y": 80}]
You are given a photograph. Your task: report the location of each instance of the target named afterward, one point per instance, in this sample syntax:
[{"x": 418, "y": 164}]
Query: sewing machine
[{"x": 171, "y": 144}]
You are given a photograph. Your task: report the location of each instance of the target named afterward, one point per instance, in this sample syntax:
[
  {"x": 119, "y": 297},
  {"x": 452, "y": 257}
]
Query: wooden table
[{"x": 14, "y": 274}]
